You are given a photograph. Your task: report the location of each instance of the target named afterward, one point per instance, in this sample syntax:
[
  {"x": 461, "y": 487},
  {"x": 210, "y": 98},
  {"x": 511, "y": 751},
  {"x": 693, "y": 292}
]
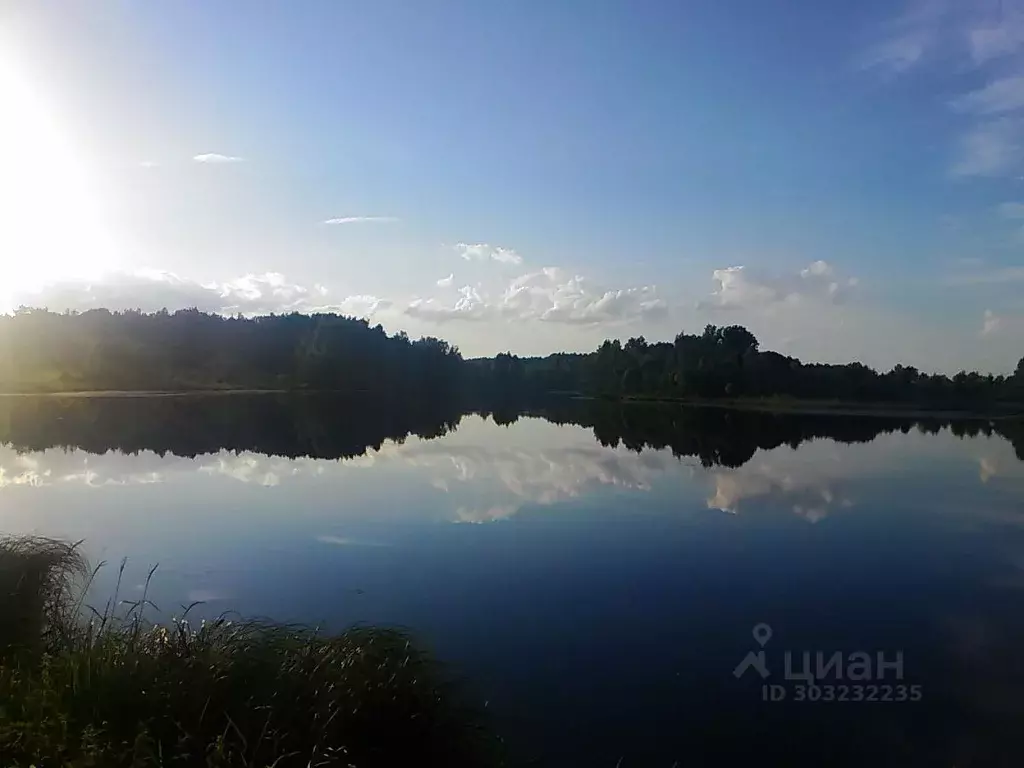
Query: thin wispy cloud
[
  {"x": 1011, "y": 274},
  {"x": 991, "y": 149},
  {"x": 951, "y": 36},
  {"x": 216, "y": 157},
  {"x": 345, "y": 541},
  {"x": 897, "y": 54},
  {"x": 1003, "y": 95},
  {"x": 905, "y": 40},
  {"x": 446, "y": 282},
  {"x": 361, "y": 220},
  {"x": 1000, "y": 34}
]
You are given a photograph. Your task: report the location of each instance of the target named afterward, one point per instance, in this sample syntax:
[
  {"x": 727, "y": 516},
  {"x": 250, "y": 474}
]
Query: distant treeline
[
  {"x": 725, "y": 362},
  {"x": 42, "y": 351},
  {"x": 331, "y": 427},
  {"x": 189, "y": 350}
]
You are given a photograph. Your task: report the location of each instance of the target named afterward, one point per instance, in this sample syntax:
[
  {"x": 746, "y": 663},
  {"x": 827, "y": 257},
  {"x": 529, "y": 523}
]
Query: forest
[
  {"x": 187, "y": 350},
  {"x": 42, "y": 351},
  {"x": 725, "y": 363}
]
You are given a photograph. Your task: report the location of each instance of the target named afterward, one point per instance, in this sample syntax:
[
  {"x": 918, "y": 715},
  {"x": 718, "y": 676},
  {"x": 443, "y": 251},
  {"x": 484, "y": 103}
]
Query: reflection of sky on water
[
  {"x": 483, "y": 473},
  {"x": 145, "y": 505},
  {"x": 625, "y": 577}
]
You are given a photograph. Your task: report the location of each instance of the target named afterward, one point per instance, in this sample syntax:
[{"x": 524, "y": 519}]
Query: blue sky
[{"x": 846, "y": 179}]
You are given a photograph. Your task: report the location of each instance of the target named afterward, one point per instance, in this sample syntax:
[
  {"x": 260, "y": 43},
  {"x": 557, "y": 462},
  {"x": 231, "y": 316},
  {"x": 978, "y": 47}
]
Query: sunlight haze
[
  {"x": 846, "y": 180},
  {"x": 51, "y": 228}
]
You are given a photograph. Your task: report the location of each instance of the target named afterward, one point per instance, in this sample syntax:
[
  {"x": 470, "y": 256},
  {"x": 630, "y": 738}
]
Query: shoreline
[
  {"x": 126, "y": 393},
  {"x": 831, "y": 408},
  {"x": 1009, "y": 411}
]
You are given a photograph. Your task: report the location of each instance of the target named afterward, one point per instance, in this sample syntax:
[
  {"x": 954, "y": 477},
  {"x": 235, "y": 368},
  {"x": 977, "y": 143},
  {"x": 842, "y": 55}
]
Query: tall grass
[
  {"x": 115, "y": 689},
  {"x": 40, "y": 580}
]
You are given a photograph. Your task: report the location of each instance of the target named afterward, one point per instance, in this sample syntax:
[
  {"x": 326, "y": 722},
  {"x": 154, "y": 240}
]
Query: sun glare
[{"x": 50, "y": 218}]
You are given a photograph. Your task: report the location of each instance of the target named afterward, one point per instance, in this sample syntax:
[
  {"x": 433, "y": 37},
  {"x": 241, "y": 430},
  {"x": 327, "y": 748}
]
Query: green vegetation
[
  {"x": 42, "y": 351},
  {"x": 726, "y": 363},
  {"x": 188, "y": 350},
  {"x": 120, "y": 691}
]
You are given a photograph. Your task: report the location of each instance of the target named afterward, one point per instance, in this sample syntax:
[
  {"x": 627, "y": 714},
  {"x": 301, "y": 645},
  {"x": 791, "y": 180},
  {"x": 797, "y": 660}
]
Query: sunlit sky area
[{"x": 845, "y": 179}]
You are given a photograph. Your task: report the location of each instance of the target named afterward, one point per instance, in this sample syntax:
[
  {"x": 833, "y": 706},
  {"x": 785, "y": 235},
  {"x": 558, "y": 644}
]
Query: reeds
[{"x": 79, "y": 687}]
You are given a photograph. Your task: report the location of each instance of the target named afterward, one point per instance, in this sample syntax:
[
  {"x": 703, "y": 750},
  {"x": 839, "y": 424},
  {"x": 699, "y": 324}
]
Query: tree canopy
[
  {"x": 188, "y": 349},
  {"x": 191, "y": 350},
  {"x": 726, "y": 362}
]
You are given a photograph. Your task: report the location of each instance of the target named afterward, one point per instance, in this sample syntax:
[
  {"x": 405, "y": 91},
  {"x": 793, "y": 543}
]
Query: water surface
[{"x": 593, "y": 572}]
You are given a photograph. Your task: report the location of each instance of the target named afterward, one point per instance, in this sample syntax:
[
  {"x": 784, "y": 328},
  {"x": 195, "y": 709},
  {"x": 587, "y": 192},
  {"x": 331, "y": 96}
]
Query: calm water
[{"x": 594, "y": 573}]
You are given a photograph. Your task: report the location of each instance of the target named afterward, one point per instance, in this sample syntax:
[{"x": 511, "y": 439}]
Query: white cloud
[
  {"x": 153, "y": 290},
  {"x": 362, "y": 220},
  {"x": 1003, "y": 95},
  {"x": 740, "y": 288},
  {"x": 57, "y": 466},
  {"x": 998, "y": 35},
  {"x": 762, "y": 482},
  {"x": 548, "y": 295},
  {"x": 897, "y": 54},
  {"x": 987, "y": 468},
  {"x": 149, "y": 164},
  {"x": 903, "y": 42},
  {"x": 990, "y": 323},
  {"x": 248, "y": 468},
  {"x": 1010, "y": 326},
  {"x": 954, "y": 35},
  {"x": 535, "y": 463},
  {"x": 485, "y": 252},
  {"x": 991, "y": 149},
  {"x": 552, "y": 295},
  {"x": 469, "y": 306},
  {"x": 345, "y": 541},
  {"x": 362, "y": 305},
  {"x": 446, "y": 282},
  {"x": 216, "y": 157},
  {"x": 958, "y": 31}
]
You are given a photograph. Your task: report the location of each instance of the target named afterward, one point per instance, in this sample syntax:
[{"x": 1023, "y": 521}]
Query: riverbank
[
  {"x": 799, "y": 406},
  {"x": 155, "y": 393},
  {"x": 119, "y": 690},
  {"x": 834, "y": 407}
]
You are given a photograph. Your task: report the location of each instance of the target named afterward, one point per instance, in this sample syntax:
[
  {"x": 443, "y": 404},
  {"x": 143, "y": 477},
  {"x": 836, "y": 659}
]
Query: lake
[{"x": 621, "y": 585}]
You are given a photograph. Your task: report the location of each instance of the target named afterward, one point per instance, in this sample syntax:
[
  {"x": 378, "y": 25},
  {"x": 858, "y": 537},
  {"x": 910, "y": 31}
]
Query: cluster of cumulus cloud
[{"x": 548, "y": 294}]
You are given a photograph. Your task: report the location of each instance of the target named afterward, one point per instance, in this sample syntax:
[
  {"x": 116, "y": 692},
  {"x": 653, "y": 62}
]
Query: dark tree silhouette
[
  {"x": 101, "y": 350},
  {"x": 726, "y": 362},
  {"x": 328, "y": 426},
  {"x": 41, "y": 351},
  {"x": 314, "y": 425}
]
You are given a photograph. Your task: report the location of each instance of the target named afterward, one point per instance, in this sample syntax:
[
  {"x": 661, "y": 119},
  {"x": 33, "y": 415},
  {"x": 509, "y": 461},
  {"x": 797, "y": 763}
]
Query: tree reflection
[
  {"x": 730, "y": 437},
  {"x": 313, "y": 426},
  {"x": 325, "y": 426}
]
